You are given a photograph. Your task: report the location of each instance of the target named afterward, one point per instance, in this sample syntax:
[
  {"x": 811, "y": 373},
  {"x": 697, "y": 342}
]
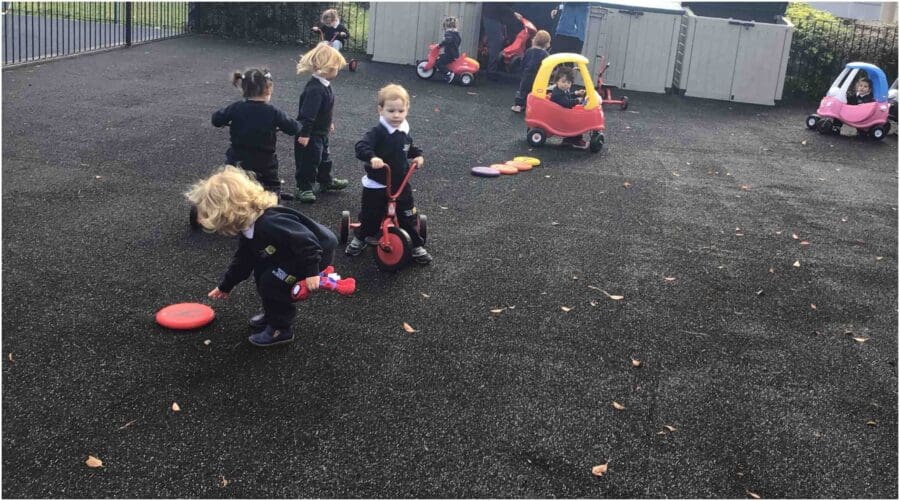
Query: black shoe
[
  {"x": 258, "y": 321},
  {"x": 421, "y": 256}
]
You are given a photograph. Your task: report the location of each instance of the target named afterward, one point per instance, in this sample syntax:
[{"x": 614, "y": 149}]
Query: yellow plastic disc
[
  {"x": 520, "y": 165},
  {"x": 505, "y": 169},
  {"x": 530, "y": 160}
]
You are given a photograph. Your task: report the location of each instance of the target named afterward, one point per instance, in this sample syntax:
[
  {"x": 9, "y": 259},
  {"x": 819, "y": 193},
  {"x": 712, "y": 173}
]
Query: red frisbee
[{"x": 185, "y": 316}]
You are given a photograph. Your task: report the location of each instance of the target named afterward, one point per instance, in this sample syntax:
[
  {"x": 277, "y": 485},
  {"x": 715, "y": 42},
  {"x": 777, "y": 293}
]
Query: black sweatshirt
[
  {"x": 329, "y": 33},
  {"x": 564, "y": 98},
  {"x": 315, "y": 109},
  {"x": 281, "y": 237},
  {"x": 531, "y": 61},
  {"x": 450, "y": 43},
  {"x": 253, "y": 126},
  {"x": 395, "y": 149},
  {"x": 855, "y": 99}
]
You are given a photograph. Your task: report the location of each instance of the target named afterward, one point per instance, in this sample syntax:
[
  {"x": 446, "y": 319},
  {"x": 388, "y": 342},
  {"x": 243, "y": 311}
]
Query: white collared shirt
[
  {"x": 249, "y": 231},
  {"x": 324, "y": 80},
  {"x": 404, "y": 127}
]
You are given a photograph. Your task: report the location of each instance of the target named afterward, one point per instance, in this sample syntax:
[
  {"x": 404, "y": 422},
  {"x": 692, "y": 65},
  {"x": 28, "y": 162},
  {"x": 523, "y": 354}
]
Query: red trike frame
[{"x": 605, "y": 90}]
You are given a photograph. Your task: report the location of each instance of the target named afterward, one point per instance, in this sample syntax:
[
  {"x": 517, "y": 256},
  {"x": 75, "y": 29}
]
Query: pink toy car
[{"x": 868, "y": 118}]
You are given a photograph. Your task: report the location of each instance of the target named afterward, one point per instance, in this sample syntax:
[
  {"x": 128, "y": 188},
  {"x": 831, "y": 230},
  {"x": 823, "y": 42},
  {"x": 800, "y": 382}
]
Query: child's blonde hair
[
  {"x": 322, "y": 56},
  {"x": 329, "y": 16},
  {"x": 450, "y": 22},
  {"x": 391, "y": 92},
  {"x": 541, "y": 39},
  {"x": 229, "y": 201}
]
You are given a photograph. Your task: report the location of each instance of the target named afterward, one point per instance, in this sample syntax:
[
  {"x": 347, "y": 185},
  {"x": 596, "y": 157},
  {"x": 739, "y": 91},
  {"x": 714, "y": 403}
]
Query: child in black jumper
[
  {"x": 279, "y": 245},
  {"x": 863, "y": 92},
  {"x": 531, "y": 63},
  {"x": 253, "y": 124},
  {"x": 333, "y": 32},
  {"x": 565, "y": 97},
  {"x": 450, "y": 48},
  {"x": 311, "y": 155},
  {"x": 388, "y": 143}
]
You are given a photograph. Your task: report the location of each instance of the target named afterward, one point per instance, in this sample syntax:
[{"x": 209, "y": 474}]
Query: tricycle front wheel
[{"x": 393, "y": 250}]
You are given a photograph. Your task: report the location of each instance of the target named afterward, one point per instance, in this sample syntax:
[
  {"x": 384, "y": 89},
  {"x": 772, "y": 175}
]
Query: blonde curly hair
[
  {"x": 229, "y": 201},
  {"x": 322, "y": 56}
]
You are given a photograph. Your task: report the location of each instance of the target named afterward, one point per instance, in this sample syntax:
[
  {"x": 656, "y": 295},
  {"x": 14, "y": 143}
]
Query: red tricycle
[
  {"x": 605, "y": 90},
  {"x": 544, "y": 118},
  {"x": 394, "y": 245},
  {"x": 464, "y": 66},
  {"x": 352, "y": 64},
  {"x": 512, "y": 53}
]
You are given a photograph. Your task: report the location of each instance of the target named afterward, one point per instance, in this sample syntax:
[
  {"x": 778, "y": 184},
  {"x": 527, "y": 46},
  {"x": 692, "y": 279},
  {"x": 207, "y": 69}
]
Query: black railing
[
  {"x": 821, "y": 48},
  {"x": 355, "y": 16},
  {"x": 34, "y": 31}
]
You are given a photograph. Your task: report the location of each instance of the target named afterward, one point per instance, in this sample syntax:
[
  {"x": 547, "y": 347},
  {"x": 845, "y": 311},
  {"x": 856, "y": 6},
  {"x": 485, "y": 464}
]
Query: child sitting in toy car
[
  {"x": 565, "y": 97},
  {"x": 863, "y": 92}
]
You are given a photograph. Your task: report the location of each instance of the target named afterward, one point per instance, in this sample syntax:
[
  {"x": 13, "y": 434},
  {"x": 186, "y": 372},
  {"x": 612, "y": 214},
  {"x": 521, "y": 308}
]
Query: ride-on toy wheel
[
  {"x": 422, "y": 72},
  {"x": 536, "y": 137},
  {"x": 596, "y": 141},
  {"x": 192, "y": 219},
  {"x": 394, "y": 250},
  {"x": 877, "y": 133},
  {"x": 624, "y": 102},
  {"x": 826, "y": 126},
  {"x": 353, "y": 64},
  {"x": 344, "y": 231},
  {"x": 422, "y": 226},
  {"x": 466, "y": 79},
  {"x": 812, "y": 121}
]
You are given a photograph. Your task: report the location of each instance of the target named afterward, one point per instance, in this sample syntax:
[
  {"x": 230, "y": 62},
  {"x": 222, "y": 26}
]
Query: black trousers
[
  {"x": 265, "y": 167},
  {"x": 313, "y": 162},
  {"x": 275, "y": 293},
  {"x": 374, "y": 206},
  {"x": 524, "y": 89},
  {"x": 442, "y": 61}
]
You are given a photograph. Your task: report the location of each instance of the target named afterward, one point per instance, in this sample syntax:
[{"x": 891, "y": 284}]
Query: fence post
[{"x": 128, "y": 22}]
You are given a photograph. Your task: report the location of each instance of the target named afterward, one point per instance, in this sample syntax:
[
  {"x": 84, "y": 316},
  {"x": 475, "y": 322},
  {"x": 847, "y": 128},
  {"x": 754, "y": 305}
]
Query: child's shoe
[
  {"x": 421, "y": 256},
  {"x": 306, "y": 196},
  {"x": 450, "y": 76},
  {"x": 258, "y": 321},
  {"x": 355, "y": 247},
  {"x": 576, "y": 142},
  {"x": 335, "y": 185},
  {"x": 271, "y": 337},
  {"x": 516, "y": 108}
]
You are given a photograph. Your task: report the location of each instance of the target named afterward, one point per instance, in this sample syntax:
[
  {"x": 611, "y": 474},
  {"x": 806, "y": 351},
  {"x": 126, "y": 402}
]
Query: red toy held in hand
[{"x": 343, "y": 286}]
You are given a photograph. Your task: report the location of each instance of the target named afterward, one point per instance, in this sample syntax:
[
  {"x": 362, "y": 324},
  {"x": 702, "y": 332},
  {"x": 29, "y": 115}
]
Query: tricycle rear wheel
[{"x": 344, "y": 231}]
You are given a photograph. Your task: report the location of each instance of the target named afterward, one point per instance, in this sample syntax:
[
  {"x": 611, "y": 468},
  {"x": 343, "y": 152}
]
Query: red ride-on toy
[
  {"x": 605, "y": 90},
  {"x": 394, "y": 244},
  {"x": 464, "y": 66},
  {"x": 512, "y": 54},
  {"x": 544, "y": 118},
  {"x": 352, "y": 64}
]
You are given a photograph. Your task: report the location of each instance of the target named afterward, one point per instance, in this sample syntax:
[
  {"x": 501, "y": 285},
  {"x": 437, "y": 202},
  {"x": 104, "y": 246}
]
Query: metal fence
[
  {"x": 355, "y": 16},
  {"x": 820, "y": 48},
  {"x": 34, "y": 31}
]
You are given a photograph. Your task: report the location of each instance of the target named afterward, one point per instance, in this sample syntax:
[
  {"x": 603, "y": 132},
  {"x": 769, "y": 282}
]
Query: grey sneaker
[
  {"x": 421, "y": 256},
  {"x": 450, "y": 76},
  {"x": 306, "y": 196},
  {"x": 355, "y": 247}
]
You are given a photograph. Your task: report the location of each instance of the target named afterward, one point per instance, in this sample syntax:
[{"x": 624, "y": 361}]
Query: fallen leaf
[
  {"x": 565, "y": 309},
  {"x": 745, "y": 187},
  {"x": 512, "y": 307},
  {"x": 771, "y": 270},
  {"x": 669, "y": 279},
  {"x": 612, "y": 296},
  {"x": 626, "y": 184},
  {"x": 126, "y": 425},
  {"x": 843, "y": 220},
  {"x": 593, "y": 303},
  {"x": 794, "y": 236},
  {"x": 472, "y": 93},
  {"x": 670, "y": 428},
  {"x": 779, "y": 232},
  {"x": 617, "y": 406},
  {"x": 797, "y": 263},
  {"x": 10, "y": 357},
  {"x": 878, "y": 258},
  {"x": 223, "y": 482},
  {"x": 861, "y": 339},
  {"x": 426, "y": 296},
  {"x": 443, "y": 208},
  {"x": 98, "y": 177},
  {"x": 738, "y": 234},
  {"x": 547, "y": 176},
  {"x": 676, "y": 174},
  {"x": 871, "y": 422},
  {"x": 497, "y": 311},
  {"x": 804, "y": 242},
  {"x": 207, "y": 342},
  {"x": 803, "y": 142},
  {"x": 599, "y": 470},
  {"x": 93, "y": 462},
  {"x": 437, "y": 110},
  {"x": 554, "y": 223},
  {"x": 635, "y": 362},
  {"x": 759, "y": 292},
  {"x": 176, "y": 407},
  {"x": 408, "y": 328},
  {"x": 574, "y": 278},
  {"x": 813, "y": 306},
  {"x": 753, "y": 494}
]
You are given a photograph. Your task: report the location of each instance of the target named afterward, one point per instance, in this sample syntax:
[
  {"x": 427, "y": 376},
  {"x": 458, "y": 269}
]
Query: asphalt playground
[{"x": 756, "y": 261}]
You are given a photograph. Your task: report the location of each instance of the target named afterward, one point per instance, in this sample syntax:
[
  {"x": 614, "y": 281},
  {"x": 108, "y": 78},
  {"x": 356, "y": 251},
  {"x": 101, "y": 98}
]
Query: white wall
[{"x": 866, "y": 11}]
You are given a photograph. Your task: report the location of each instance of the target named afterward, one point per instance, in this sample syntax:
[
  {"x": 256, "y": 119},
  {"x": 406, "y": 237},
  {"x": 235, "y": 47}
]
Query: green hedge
[{"x": 267, "y": 22}]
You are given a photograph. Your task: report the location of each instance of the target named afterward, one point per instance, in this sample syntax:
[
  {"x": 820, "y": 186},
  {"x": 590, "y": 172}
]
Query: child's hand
[
  {"x": 420, "y": 160},
  {"x": 217, "y": 294},
  {"x": 315, "y": 28},
  {"x": 303, "y": 141},
  {"x": 377, "y": 163},
  {"x": 312, "y": 283},
  {"x": 579, "y": 92},
  {"x": 332, "y": 127},
  {"x": 518, "y": 16}
]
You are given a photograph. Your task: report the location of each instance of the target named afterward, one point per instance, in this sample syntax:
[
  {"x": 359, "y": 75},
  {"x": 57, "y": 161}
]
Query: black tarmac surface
[{"x": 766, "y": 393}]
